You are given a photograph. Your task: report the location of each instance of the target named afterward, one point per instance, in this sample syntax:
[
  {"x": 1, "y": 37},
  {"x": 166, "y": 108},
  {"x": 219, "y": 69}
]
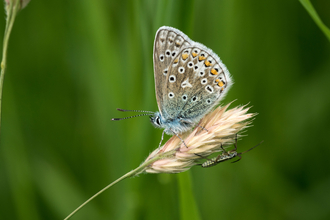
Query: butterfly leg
[
  {"x": 203, "y": 128},
  {"x": 161, "y": 139},
  {"x": 179, "y": 138}
]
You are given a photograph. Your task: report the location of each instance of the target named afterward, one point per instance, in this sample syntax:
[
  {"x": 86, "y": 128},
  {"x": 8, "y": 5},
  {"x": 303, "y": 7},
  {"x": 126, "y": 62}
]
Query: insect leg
[
  {"x": 180, "y": 138},
  {"x": 240, "y": 157},
  {"x": 161, "y": 139},
  {"x": 203, "y": 128},
  {"x": 235, "y": 144},
  {"x": 224, "y": 151}
]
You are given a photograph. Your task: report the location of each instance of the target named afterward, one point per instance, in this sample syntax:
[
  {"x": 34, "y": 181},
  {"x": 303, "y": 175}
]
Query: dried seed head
[{"x": 218, "y": 128}]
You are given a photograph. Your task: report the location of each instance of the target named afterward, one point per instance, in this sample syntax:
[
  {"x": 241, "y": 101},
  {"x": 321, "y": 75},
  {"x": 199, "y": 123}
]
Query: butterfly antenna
[
  {"x": 125, "y": 110},
  {"x": 118, "y": 119}
]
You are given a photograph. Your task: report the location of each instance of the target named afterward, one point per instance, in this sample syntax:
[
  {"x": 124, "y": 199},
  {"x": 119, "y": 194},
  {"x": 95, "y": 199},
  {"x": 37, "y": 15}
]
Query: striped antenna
[
  {"x": 124, "y": 110},
  {"x": 250, "y": 148}
]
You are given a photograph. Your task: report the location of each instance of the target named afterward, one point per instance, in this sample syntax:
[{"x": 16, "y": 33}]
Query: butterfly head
[
  {"x": 156, "y": 120},
  {"x": 171, "y": 126}
]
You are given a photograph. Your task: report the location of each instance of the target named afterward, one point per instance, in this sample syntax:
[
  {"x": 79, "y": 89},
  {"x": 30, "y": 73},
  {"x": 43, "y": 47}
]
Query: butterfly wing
[
  {"x": 168, "y": 44},
  {"x": 196, "y": 81}
]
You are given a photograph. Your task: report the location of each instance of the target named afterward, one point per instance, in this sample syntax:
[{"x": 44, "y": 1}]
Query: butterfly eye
[
  {"x": 201, "y": 73},
  {"x": 208, "y": 101},
  {"x": 173, "y": 54},
  {"x": 204, "y": 81},
  {"x": 158, "y": 120},
  {"x": 161, "y": 57},
  {"x": 184, "y": 97},
  {"x": 194, "y": 99},
  {"x": 190, "y": 64},
  {"x": 196, "y": 67}
]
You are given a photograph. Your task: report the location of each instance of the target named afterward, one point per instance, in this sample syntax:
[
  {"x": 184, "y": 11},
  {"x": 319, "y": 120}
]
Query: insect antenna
[
  {"x": 125, "y": 110},
  {"x": 118, "y": 119},
  {"x": 239, "y": 154}
]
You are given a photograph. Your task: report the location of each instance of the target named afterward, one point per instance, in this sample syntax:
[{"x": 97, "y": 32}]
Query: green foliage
[
  {"x": 309, "y": 7},
  {"x": 188, "y": 206},
  {"x": 72, "y": 63}
]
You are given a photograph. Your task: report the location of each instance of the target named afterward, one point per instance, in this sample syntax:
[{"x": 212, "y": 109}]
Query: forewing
[{"x": 168, "y": 43}]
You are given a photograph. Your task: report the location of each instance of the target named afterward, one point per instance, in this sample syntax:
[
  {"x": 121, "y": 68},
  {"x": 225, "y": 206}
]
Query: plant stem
[
  {"x": 11, "y": 10},
  {"x": 132, "y": 173},
  {"x": 188, "y": 205}
]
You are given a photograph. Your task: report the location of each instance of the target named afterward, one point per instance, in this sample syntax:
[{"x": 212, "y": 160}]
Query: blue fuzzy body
[{"x": 172, "y": 126}]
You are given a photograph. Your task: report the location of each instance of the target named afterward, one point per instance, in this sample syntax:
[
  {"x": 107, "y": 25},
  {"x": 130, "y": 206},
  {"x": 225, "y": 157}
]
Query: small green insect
[{"x": 226, "y": 155}]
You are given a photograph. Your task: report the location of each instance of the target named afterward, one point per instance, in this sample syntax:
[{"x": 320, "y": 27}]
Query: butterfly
[{"x": 190, "y": 79}]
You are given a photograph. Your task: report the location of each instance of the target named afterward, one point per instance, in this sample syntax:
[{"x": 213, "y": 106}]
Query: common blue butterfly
[{"x": 190, "y": 80}]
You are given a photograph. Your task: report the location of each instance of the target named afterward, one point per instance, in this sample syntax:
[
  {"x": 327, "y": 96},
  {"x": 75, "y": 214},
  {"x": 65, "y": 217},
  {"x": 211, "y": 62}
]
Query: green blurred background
[{"x": 72, "y": 63}]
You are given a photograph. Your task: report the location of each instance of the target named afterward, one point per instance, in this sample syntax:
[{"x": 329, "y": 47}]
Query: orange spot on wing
[
  {"x": 220, "y": 84},
  {"x": 194, "y": 54},
  {"x": 214, "y": 72},
  {"x": 185, "y": 56},
  {"x": 200, "y": 58},
  {"x": 176, "y": 60},
  {"x": 207, "y": 63}
]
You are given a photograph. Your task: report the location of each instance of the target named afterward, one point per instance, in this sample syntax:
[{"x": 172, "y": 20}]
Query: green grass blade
[
  {"x": 188, "y": 205},
  {"x": 310, "y": 9}
]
